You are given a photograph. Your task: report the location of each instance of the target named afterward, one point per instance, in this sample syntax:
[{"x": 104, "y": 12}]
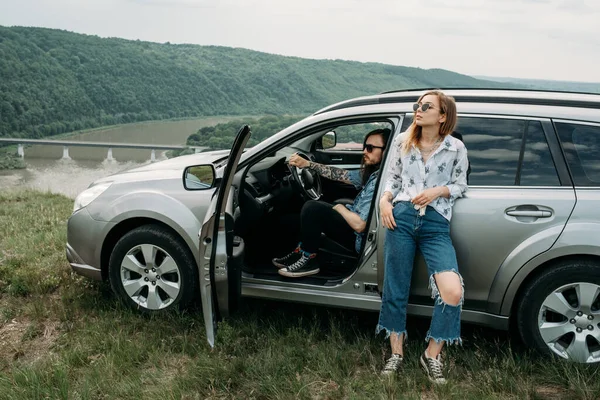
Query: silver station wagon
[{"x": 527, "y": 233}]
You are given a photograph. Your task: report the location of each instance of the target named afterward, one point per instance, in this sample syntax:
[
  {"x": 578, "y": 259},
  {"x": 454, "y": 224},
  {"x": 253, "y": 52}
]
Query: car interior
[{"x": 268, "y": 202}]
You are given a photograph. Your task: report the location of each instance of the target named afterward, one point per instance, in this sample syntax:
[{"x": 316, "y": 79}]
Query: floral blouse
[{"x": 407, "y": 174}]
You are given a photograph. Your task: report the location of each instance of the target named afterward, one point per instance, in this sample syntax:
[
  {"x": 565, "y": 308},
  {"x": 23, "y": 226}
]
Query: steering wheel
[{"x": 306, "y": 181}]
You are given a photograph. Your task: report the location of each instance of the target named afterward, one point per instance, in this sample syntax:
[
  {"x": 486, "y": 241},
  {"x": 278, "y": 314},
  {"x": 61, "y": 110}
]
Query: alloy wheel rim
[
  {"x": 150, "y": 277},
  {"x": 569, "y": 322}
]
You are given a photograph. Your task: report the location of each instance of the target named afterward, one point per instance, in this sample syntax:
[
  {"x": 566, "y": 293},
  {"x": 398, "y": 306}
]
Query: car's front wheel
[
  {"x": 151, "y": 269},
  {"x": 559, "y": 312}
]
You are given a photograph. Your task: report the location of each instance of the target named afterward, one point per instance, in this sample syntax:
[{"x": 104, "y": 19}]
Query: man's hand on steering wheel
[
  {"x": 299, "y": 162},
  {"x": 307, "y": 181}
]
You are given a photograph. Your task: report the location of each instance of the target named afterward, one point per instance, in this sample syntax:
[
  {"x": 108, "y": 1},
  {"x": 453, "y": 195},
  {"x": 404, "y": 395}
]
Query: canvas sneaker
[
  {"x": 434, "y": 368},
  {"x": 392, "y": 365},
  {"x": 305, "y": 266},
  {"x": 289, "y": 259}
]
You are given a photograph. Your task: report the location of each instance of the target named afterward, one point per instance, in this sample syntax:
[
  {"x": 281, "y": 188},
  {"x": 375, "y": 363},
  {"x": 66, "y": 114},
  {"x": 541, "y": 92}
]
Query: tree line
[
  {"x": 221, "y": 136},
  {"x": 54, "y": 81}
]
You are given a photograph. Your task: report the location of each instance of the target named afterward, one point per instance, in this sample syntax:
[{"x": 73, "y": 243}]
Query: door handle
[{"x": 527, "y": 213}]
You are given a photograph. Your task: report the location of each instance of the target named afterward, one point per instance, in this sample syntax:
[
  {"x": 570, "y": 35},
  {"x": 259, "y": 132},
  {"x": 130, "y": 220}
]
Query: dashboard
[
  {"x": 267, "y": 179},
  {"x": 267, "y": 188}
]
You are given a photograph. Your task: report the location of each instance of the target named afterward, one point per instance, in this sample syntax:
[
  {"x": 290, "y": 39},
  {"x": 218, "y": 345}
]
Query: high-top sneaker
[
  {"x": 305, "y": 266},
  {"x": 433, "y": 368},
  {"x": 392, "y": 365},
  {"x": 288, "y": 259}
]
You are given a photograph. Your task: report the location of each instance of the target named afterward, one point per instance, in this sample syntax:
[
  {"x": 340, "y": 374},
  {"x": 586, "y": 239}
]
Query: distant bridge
[{"x": 68, "y": 143}]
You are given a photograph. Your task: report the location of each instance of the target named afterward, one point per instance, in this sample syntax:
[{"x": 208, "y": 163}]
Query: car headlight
[{"x": 89, "y": 195}]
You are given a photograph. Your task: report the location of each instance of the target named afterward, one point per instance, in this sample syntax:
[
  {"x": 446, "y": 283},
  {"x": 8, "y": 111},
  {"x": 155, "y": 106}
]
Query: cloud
[
  {"x": 518, "y": 38},
  {"x": 578, "y": 6},
  {"x": 179, "y": 3},
  {"x": 477, "y": 138},
  {"x": 542, "y": 147},
  {"x": 484, "y": 173},
  {"x": 494, "y": 154},
  {"x": 531, "y": 157}
]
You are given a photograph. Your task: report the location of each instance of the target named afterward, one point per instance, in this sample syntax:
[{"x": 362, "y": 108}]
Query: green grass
[
  {"x": 9, "y": 158},
  {"x": 65, "y": 337}
]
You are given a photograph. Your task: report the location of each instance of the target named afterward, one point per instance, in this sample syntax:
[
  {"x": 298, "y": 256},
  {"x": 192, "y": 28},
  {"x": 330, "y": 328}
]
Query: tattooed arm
[
  {"x": 326, "y": 171},
  {"x": 329, "y": 172}
]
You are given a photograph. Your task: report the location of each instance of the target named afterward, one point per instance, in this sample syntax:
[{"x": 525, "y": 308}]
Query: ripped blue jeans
[{"x": 430, "y": 234}]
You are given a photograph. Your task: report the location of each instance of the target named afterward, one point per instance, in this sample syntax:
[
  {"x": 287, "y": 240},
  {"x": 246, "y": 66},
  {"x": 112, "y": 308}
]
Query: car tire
[
  {"x": 167, "y": 280},
  {"x": 559, "y": 312}
]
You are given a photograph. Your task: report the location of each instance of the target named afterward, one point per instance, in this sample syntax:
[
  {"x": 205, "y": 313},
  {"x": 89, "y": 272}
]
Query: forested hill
[{"x": 54, "y": 81}]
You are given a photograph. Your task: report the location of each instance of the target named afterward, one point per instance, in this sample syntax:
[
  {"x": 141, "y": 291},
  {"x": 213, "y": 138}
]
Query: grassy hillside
[
  {"x": 54, "y": 81},
  {"x": 65, "y": 337},
  {"x": 567, "y": 86}
]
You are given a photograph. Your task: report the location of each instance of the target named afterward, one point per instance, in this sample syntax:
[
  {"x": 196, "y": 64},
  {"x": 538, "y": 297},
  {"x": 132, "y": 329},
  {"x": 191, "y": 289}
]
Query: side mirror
[
  {"x": 199, "y": 177},
  {"x": 328, "y": 140}
]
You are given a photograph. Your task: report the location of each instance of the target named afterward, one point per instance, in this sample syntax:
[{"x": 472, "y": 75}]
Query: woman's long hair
[{"x": 447, "y": 107}]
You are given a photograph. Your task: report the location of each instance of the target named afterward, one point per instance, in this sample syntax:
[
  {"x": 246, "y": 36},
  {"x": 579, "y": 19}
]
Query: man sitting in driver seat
[{"x": 344, "y": 224}]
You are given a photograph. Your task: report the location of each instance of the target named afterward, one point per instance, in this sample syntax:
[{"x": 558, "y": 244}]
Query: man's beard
[{"x": 367, "y": 170}]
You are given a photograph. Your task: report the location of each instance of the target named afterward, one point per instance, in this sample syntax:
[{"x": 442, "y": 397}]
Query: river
[{"x": 47, "y": 171}]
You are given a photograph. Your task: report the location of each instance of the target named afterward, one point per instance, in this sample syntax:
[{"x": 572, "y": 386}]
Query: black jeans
[{"x": 317, "y": 217}]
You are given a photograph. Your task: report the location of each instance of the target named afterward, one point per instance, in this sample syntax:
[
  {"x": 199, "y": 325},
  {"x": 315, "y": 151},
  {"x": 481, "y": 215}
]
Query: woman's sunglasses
[
  {"x": 369, "y": 147},
  {"x": 424, "y": 107}
]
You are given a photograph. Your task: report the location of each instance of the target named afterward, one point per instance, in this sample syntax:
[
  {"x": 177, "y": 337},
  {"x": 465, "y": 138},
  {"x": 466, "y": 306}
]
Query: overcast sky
[{"x": 540, "y": 39}]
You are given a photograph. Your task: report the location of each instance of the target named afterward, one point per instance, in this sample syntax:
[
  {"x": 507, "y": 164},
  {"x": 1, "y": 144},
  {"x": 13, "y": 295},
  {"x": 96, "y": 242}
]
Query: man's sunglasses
[
  {"x": 424, "y": 107},
  {"x": 369, "y": 147}
]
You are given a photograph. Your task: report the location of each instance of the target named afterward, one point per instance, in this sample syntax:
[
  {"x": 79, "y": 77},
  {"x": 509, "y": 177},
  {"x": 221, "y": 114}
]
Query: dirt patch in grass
[
  {"x": 171, "y": 367},
  {"x": 551, "y": 392},
  {"x": 27, "y": 341}
]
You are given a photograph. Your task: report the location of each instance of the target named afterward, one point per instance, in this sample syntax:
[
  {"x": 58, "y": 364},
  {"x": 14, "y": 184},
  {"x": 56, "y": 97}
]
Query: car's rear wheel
[
  {"x": 559, "y": 312},
  {"x": 151, "y": 269}
]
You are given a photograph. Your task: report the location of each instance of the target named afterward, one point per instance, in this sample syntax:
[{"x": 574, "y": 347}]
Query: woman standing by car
[{"x": 427, "y": 173}]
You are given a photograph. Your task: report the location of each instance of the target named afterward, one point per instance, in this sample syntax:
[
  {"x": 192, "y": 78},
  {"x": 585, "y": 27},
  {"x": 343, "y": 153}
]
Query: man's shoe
[
  {"x": 433, "y": 368},
  {"x": 393, "y": 365},
  {"x": 285, "y": 261},
  {"x": 305, "y": 266}
]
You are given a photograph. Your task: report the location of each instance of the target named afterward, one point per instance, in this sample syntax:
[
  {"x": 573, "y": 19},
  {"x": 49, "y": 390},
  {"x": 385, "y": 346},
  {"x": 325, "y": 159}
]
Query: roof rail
[
  {"x": 593, "y": 101},
  {"x": 488, "y": 88}
]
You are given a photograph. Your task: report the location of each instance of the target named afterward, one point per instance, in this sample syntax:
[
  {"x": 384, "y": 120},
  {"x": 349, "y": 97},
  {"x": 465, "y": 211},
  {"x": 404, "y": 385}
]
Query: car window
[
  {"x": 408, "y": 119},
  {"x": 581, "y": 144},
  {"x": 494, "y": 148},
  {"x": 350, "y": 137},
  {"x": 537, "y": 168}
]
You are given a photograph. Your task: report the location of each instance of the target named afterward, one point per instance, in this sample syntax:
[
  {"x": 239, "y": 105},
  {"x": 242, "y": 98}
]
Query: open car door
[{"x": 220, "y": 275}]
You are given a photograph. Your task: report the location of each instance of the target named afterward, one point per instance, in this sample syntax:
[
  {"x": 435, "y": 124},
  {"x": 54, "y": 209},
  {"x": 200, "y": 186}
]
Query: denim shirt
[
  {"x": 407, "y": 174},
  {"x": 362, "y": 202}
]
